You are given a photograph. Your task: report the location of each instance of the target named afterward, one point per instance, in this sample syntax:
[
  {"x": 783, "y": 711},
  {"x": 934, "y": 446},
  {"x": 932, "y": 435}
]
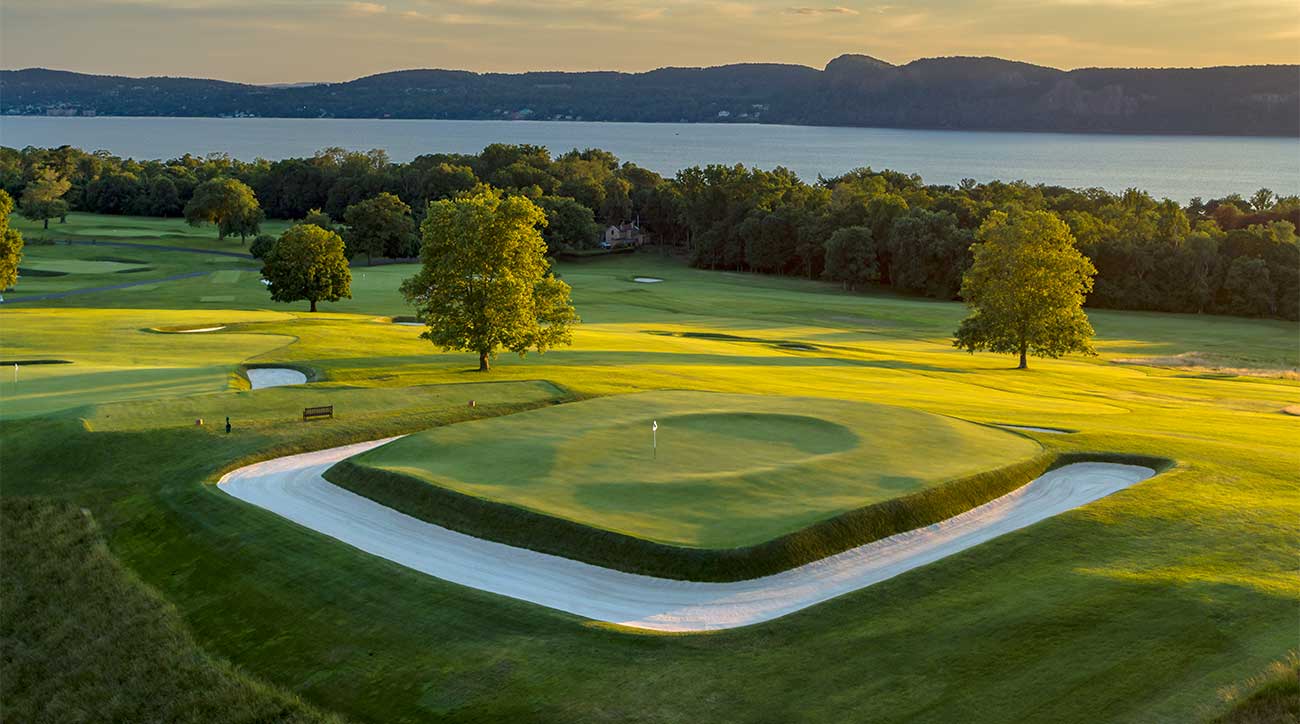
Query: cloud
[
  {"x": 735, "y": 10},
  {"x": 365, "y": 8},
  {"x": 649, "y": 14},
  {"x": 821, "y": 11}
]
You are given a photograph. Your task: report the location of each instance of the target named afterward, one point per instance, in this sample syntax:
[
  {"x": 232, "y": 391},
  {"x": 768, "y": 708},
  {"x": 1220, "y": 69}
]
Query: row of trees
[
  {"x": 1231, "y": 255},
  {"x": 485, "y": 284}
]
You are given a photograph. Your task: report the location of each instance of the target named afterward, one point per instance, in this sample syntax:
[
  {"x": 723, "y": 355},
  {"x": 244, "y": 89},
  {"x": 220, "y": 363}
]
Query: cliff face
[{"x": 853, "y": 90}]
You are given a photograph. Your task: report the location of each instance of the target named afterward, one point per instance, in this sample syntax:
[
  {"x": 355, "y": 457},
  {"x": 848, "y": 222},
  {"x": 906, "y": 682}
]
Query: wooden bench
[{"x": 314, "y": 413}]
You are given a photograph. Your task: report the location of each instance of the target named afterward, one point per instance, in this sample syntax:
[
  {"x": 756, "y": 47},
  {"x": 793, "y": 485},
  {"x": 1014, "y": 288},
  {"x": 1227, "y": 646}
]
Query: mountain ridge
[{"x": 952, "y": 92}]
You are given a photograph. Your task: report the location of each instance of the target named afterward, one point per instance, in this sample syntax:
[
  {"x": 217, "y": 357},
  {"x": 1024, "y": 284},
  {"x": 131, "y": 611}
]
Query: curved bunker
[{"x": 293, "y": 487}]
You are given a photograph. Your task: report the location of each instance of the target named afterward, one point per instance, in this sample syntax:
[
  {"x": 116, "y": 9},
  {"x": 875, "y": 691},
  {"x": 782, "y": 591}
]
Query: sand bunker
[
  {"x": 1292, "y": 410},
  {"x": 293, "y": 488},
  {"x": 260, "y": 377},
  {"x": 1031, "y": 428},
  {"x": 647, "y": 280},
  {"x": 200, "y": 329}
]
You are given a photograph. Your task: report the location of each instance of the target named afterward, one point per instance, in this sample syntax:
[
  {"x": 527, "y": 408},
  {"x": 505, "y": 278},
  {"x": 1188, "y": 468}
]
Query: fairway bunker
[
  {"x": 262, "y": 377},
  {"x": 293, "y": 487},
  {"x": 646, "y": 280}
]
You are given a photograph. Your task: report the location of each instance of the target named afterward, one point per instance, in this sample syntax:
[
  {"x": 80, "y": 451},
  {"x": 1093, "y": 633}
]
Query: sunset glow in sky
[{"x": 269, "y": 41}]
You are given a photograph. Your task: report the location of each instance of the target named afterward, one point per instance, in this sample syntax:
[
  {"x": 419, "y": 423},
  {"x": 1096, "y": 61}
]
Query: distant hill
[{"x": 853, "y": 90}]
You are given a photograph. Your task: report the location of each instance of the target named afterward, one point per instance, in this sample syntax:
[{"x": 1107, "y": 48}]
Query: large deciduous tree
[
  {"x": 484, "y": 283},
  {"x": 228, "y": 203},
  {"x": 307, "y": 262},
  {"x": 380, "y": 226},
  {"x": 1026, "y": 289},
  {"x": 42, "y": 200},
  {"x": 11, "y": 244}
]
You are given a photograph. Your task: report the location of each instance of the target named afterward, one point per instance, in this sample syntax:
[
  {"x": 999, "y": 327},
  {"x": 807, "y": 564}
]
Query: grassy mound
[
  {"x": 1272, "y": 697},
  {"x": 741, "y": 485},
  {"x": 85, "y": 640}
]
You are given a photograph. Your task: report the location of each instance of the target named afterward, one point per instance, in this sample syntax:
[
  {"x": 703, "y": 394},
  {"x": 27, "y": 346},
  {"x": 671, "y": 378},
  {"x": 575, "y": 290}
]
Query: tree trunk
[
  {"x": 1024, "y": 361},
  {"x": 483, "y": 365},
  {"x": 313, "y": 305}
]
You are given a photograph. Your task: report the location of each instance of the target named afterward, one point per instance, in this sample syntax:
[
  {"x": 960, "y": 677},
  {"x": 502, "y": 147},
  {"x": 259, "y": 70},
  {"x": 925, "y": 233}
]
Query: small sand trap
[
  {"x": 409, "y": 324},
  {"x": 1031, "y": 428},
  {"x": 1292, "y": 410},
  {"x": 293, "y": 488},
  {"x": 260, "y": 377},
  {"x": 646, "y": 280},
  {"x": 200, "y": 329}
]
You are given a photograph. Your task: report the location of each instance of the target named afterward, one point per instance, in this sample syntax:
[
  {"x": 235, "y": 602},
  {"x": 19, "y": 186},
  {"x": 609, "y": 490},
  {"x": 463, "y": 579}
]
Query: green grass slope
[{"x": 84, "y": 640}]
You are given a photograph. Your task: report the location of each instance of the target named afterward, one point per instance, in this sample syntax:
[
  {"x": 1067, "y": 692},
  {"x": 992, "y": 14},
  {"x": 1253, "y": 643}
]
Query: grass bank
[
  {"x": 525, "y": 528},
  {"x": 86, "y": 640}
]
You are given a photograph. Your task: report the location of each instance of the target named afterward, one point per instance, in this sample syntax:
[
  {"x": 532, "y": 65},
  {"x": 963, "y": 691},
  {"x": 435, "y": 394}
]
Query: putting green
[{"x": 730, "y": 470}]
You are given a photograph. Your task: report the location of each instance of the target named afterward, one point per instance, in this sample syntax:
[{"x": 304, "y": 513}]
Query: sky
[{"x": 280, "y": 41}]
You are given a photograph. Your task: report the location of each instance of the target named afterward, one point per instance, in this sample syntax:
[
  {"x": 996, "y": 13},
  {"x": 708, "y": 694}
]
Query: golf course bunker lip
[
  {"x": 262, "y": 377},
  {"x": 293, "y": 488},
  {"x": 186, "y": 329},
  {"x": 1033, "y": 428},
  {"x": 646, "y": 280}
]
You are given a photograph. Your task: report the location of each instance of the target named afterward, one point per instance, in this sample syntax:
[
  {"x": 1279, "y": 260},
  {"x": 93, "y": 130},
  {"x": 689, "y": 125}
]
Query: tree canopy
[
  {"x": 1150, "y": 254},
  {"x": 42, "y": 200},
  {"x": 380, "y": 226},
  {"x": 228, "y": 203},
  {"x": 11, "y": 244},
  {"x": 307, "y": 262},
  {"x": 1025, "y": 288},
  {"x": 484, "y": 282}
]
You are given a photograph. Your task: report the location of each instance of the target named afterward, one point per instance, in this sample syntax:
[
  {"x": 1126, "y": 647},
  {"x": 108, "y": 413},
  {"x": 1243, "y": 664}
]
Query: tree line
[{"x": 866, "y": 228}]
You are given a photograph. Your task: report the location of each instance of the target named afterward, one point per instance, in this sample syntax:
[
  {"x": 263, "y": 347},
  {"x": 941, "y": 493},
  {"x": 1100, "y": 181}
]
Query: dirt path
[{"x": 292, "y": 487}]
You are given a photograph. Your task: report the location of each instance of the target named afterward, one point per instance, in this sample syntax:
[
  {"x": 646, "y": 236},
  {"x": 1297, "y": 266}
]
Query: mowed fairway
[
  {"x": 1135, "y": 608},
  {"x": 730, "y": 471}
]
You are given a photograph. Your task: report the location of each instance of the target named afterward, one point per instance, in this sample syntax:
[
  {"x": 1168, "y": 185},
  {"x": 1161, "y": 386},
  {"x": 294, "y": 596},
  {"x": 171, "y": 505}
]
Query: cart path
[{"x": 293, "y": 488}]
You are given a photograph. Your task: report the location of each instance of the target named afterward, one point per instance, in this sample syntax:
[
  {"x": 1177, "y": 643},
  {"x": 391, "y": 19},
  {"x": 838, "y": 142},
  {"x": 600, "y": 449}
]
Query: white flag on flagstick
[{"x": 654, "y": 424}]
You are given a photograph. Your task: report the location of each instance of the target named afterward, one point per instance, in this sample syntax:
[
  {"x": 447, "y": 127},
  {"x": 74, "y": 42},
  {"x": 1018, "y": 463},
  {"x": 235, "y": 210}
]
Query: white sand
[
  {"x": 260, "y": 377},
  {"x": 1030, "y": 428},
  {"x": 203, "y": 329},
  {"x": 410, "y": 324},
  {"x": 647, "y": 280},
  {"x": 293, "y": 488}
]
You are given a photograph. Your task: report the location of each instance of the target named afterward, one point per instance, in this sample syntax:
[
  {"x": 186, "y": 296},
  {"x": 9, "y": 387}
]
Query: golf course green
[
  {"x": 782, "y": 404},
  {"x": 706, "y": 494},
  {"x": 730, "y": 470}
]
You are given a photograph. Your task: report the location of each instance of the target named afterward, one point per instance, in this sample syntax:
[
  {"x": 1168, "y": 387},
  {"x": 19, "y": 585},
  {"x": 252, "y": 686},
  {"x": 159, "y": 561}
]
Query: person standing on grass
[{"x": 227, "y": 425}]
